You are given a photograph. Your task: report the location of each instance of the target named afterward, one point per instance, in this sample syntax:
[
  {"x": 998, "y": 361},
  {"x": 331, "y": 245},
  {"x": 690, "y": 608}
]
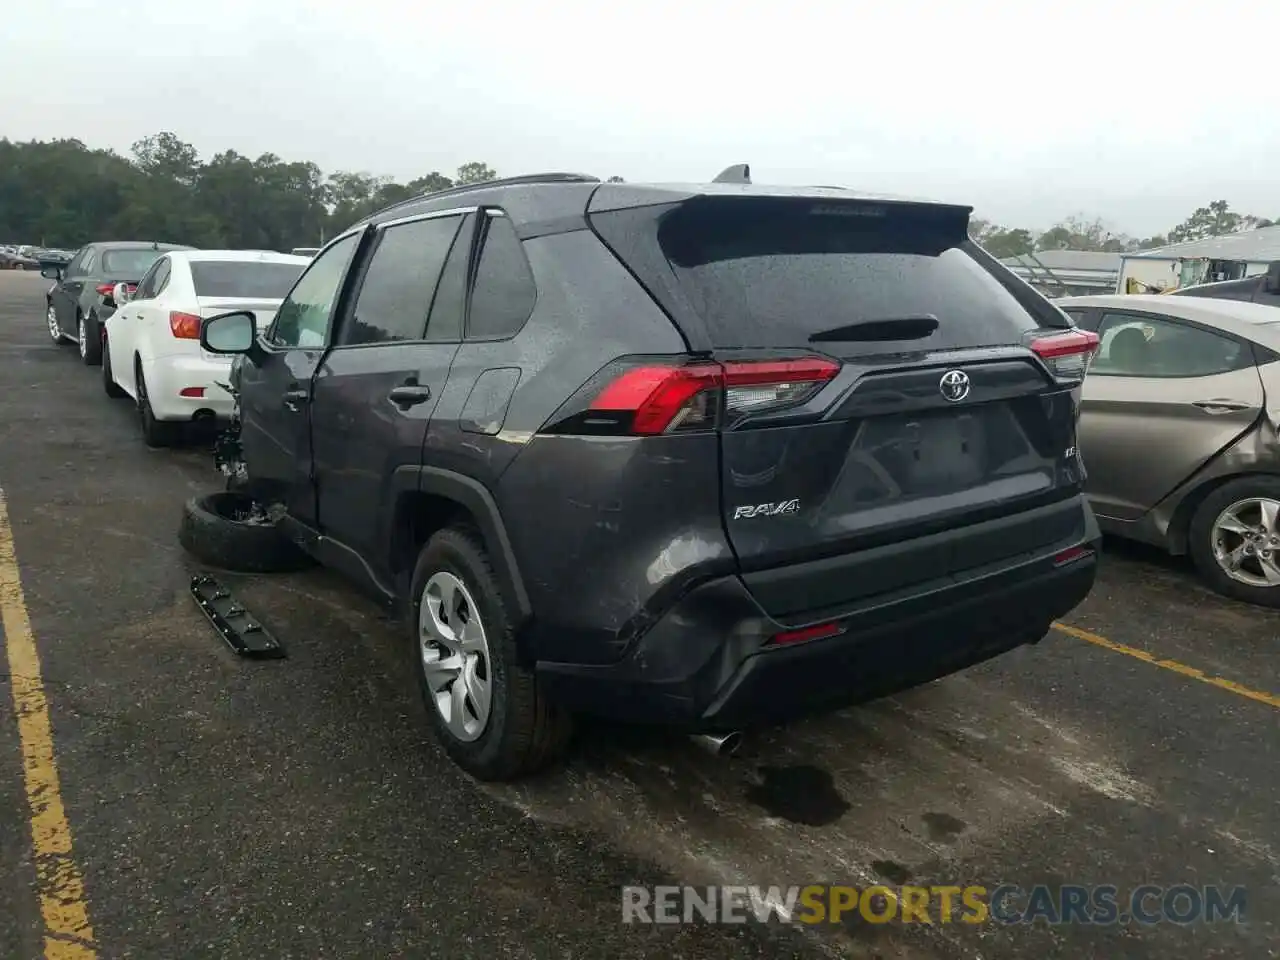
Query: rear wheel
[
  {"x": 155, "y": 433},
  {"x": 1234, "y": 540},
  {"x": 108, "y": 378},
  {"x": 89, "y": 335},
  {"x": 55, "y": 331},
  {"x": 485, "y": 705}
]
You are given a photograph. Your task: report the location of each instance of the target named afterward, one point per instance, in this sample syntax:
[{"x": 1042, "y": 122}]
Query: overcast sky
[{"x": 1137, "y": 112}]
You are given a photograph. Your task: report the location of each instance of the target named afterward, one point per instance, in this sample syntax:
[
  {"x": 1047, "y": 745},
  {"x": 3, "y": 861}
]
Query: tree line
[
  {"x": 63, "y": 193},
  {"x": 1215, "y": 219}
]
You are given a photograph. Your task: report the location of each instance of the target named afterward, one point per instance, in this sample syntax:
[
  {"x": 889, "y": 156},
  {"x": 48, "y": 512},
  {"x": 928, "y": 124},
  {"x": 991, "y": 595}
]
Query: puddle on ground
[
  {"x": 943, "y": 827},
  {"x": 800, "y": 794}
]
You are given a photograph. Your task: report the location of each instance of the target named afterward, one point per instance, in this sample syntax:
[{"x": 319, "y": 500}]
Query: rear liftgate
[{"x": 243, "y": 633}]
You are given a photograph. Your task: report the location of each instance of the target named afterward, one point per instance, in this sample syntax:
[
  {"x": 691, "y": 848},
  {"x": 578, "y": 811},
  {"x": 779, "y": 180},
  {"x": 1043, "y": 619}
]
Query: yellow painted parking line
[
  {"x": 67, "y": 932},
  {"x": 1270, "y": 699}
]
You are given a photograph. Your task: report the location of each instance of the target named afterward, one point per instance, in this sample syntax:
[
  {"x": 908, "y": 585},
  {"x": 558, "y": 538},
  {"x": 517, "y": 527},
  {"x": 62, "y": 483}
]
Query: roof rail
[
  {"x": 513, "y": 181},
  {"x": 738, "y": 173}
]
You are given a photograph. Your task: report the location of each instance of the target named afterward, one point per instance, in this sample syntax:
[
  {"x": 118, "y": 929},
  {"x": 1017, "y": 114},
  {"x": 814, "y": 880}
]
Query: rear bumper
[
  {"x": 706, "y": 664},
  {"x": 167, "y": 377}
]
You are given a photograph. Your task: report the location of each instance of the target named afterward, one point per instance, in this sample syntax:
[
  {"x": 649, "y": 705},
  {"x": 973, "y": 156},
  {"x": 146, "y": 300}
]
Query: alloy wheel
[
  {"x": 51, "y": 317},
  {"x": 1246, "y": 541}
]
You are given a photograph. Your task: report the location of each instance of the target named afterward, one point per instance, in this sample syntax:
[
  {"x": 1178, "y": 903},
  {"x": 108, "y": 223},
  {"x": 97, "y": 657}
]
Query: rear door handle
[
  {"x": 293, "y": 399},
  {"x": 409, "y": 395},
  {"x": 1221, "y": 406}
]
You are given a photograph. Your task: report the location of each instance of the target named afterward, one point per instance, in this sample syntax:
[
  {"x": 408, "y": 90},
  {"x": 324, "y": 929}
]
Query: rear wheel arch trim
[
  {"x": 479, "y": 502},
  {"x": 1178, "y": 535}
]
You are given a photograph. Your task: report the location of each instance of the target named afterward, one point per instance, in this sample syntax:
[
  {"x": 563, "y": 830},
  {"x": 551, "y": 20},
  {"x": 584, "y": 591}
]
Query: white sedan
[{"x": 151, "y": 344}]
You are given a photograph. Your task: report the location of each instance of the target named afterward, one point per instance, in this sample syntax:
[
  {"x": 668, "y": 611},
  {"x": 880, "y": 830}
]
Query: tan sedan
[{"x": 1179, "y": 431}]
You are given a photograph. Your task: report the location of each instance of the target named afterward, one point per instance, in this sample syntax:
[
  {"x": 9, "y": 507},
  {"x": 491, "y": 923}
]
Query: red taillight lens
[
  {"x": 1071, "y": 555},
  {"x": 1066, "y": 354},
  {"x": 816, "y": 632},
  {"x": 196, "y": 392},
  {"x": 665, "y": 399},
  {"x": 184, "y": 326},
  {"x": 105, "y": 289}
]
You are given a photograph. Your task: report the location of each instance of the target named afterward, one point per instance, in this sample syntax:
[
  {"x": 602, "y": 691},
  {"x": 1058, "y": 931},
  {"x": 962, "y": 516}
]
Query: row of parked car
[
  {"x": 135, "y": 309},
  {"x": 708, "y": 456},
  {"x": 15, "y": 256}
]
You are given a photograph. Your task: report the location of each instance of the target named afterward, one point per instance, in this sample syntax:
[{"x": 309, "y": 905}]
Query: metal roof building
[
  {"x": 1260, "y": 246},
  {"x": 1158, "y": 269},
  {"x": 1067, "y": 273}
]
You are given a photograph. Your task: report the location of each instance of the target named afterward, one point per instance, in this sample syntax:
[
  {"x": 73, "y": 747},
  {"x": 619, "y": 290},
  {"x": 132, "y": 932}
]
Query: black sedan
[{"x": 80, "y": 300}]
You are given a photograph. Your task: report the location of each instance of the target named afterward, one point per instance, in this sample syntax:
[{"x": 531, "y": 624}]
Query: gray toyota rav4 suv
[{"x": 712, "y": 456}]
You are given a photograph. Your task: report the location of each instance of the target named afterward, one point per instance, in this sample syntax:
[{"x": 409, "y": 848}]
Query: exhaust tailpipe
[{"x": 718, "y": 744}]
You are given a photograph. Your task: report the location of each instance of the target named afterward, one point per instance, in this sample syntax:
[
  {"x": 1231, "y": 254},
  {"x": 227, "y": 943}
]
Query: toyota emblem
[{"x": 954, "y": 385}]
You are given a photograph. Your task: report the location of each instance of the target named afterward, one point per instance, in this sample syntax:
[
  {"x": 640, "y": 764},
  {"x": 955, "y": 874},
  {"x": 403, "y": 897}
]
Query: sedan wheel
[
  {"x": 51, "y": 317},
  {"x": 82, "y": 339},
  {"x": 1234, "y": 539},
  {"x": 1246, "y": 542}
]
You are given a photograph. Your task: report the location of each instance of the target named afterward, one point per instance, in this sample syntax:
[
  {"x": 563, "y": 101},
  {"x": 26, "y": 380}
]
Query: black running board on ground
[{"x": 243, "y": 633}]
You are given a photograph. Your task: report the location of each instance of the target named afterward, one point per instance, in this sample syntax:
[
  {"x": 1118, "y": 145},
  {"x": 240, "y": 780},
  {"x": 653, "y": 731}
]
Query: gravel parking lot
[{"x": 296, "y": 808}]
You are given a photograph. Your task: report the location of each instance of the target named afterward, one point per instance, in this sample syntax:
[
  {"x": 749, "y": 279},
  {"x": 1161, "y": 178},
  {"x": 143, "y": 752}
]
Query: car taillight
[
  {"x": 105, "y": 289},
  {"x": 184, "y": 326},
  {"x": 1066, "y": 354},
  {"x": 668, "y": 398}
]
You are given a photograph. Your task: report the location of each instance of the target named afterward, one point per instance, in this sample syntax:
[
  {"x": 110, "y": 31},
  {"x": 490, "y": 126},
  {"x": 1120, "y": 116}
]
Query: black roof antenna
[{"x": 738, "y": 173}]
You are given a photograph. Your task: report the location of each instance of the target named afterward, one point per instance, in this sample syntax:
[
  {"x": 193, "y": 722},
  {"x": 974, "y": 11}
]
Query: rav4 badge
[{"x": 767, "y": 510}]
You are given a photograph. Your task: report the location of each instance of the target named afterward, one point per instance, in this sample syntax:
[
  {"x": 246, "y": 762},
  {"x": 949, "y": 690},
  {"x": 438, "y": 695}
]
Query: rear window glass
[
  {"x": 237, "y": 278},
  {"x": 129, "y": 264},
  {"x": 769, "y": 274}
]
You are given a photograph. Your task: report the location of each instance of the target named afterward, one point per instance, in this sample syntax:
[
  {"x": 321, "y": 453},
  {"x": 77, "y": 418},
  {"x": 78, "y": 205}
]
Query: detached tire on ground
[
  {"x": 484, "y": 705},
  {"x": 1234, "y": 539},
  {"x": 224, "y": 530}
]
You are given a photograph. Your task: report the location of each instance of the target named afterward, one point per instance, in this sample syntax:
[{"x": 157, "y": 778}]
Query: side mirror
[
  {"x": 120, "y": 294},
  {"x": 51, "y": 271},
  {"x": 229, "y": 333},
  {"x": 1271, "y": 283}
]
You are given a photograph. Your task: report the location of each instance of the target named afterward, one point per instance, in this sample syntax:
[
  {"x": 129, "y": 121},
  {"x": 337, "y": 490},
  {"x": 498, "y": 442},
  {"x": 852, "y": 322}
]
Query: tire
[
  {"x": 522, "y": 732},
  {"x": 215, "y": 532},
  {"x": 55, "y": 329},
  {"x": 1202, "y": 539},
  {"x": 90, "y": 336},
  {"x": 113, "y": 389},
  {"x": 155, "y": 433}
]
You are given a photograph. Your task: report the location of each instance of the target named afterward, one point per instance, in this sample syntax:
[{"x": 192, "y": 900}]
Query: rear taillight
[
  {"x": 818, "y": 631},
  {"x": 105, "y": 289},
  {"x": 669, "y": 398},
  {"x": 1066, "y": 354},
  {"x": 184, "y": 326}
]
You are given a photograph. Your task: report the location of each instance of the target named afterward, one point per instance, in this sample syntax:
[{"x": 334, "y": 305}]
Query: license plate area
[{"x": 926, "y": 454}]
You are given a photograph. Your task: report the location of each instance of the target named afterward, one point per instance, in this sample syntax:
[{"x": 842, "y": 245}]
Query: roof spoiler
[{"x": 738, "y": 173}]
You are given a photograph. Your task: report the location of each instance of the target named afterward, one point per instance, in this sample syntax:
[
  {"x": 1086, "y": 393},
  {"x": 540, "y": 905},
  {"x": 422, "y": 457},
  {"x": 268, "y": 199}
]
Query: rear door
[
  {"x": 932, "y": 413},
  {"x": 374, "y": 394},
  {"x": 67, "y": 289},
  {"x": 1162, "y": 397}
]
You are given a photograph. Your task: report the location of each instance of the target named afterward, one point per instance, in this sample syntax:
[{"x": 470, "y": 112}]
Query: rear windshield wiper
[{"x": 891, "y": 328}]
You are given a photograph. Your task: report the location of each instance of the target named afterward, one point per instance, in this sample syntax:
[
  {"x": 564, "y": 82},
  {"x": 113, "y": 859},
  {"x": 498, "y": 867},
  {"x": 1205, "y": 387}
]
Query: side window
[
  {"x": 303, "y": 317},
  {"x": 450, "y": 303},
  {"x": 147, "y": 285},
  {"x": 87, "y": 264},
  {"x": 1144, "y": 345},
  {"x": 72, "y": 268},
  {"x": 504, "y": 292},
  {"x": 400, "y": 282},
  {"x": 160, "y": 279}
]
